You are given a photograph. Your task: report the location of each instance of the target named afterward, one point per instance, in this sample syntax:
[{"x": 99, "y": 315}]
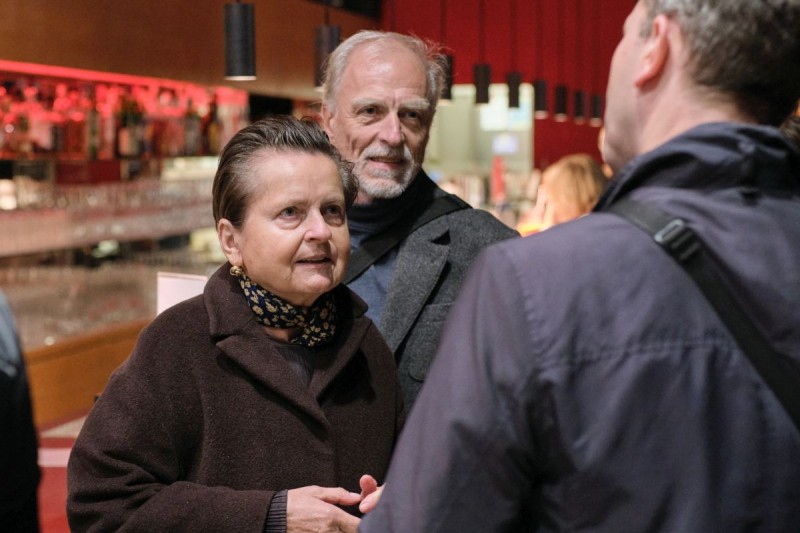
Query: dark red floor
[{"x": 53, "y": 485}]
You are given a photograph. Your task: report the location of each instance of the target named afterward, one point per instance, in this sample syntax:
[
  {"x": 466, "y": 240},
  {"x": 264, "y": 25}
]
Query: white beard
[{"x": 383, "y": 183}]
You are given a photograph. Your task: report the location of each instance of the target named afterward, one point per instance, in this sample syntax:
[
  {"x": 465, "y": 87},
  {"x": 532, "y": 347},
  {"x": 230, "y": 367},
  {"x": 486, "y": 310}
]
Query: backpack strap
[{"x": 675, "y": 237}]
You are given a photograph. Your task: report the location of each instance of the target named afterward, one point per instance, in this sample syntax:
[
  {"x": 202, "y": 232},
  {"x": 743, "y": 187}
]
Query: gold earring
[{"x": 236, "y": 271}]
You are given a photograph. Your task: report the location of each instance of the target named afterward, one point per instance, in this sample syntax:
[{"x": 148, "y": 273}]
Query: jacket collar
[
  {"x": 712, "y": 156},
  {"x": 241, "y": 338},
  {"x": 420, "y": 263}
]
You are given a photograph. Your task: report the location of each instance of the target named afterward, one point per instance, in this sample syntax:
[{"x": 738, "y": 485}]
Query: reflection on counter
[{"x": 54, "y": 302}]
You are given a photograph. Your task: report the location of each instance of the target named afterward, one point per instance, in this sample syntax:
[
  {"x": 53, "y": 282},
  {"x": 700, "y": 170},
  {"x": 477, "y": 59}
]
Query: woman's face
[{"x": 294, "y": 241}]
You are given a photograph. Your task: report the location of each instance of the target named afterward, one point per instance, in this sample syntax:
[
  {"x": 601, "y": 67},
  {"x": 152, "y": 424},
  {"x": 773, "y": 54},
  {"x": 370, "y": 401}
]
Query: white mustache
[{"x": 379, "y": 151}]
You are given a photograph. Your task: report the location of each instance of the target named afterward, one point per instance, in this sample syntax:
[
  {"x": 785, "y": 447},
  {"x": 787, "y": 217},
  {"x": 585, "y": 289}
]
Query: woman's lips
[{"x": 316, "y": 261}]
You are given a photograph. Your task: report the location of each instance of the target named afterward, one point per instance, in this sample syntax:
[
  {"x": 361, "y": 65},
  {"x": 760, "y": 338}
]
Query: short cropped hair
[
  {"x": 746, "y": 50},
  {"x": 233, "y": 184},
  {"x": 429, "y": 54}
]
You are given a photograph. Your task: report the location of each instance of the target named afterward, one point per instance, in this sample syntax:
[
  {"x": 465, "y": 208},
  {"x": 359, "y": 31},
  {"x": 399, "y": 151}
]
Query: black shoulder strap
[
  {"x": 679, "y": 241},
  {"x": 374, "y": 247}
]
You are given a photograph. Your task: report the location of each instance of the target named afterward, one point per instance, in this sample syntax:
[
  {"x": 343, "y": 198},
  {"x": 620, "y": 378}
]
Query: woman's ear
[
  {"x": 655, "y": 52},
  {"x": 228, "y": 237}
]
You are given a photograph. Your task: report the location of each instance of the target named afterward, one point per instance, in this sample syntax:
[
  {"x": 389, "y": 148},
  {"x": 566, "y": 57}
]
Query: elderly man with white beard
[{"x": 412, "y": 242}]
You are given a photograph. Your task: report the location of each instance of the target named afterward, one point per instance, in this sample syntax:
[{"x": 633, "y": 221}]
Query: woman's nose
[{"x": 317, "y": 228}]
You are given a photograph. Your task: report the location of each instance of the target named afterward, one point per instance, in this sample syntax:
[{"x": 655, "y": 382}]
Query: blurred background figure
[
  {"x": 19, "y": 471},
  {"x": 569, "y": 189},
  {"x": 791, "y": 128}
]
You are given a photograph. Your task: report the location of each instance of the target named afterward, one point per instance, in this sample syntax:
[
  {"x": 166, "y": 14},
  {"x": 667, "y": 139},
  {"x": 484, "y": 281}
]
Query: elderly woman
[{"x": 258, "y": 405}]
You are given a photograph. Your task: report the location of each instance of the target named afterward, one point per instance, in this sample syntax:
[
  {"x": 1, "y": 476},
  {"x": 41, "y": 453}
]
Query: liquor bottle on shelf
[
  {"x": 107, "y": 98},
  {"x": 91, "y": 129},
  {"x": 192, "y": 132},
  {"x": 60, "y": 110},
  {"x": 75, "y": 125},
  {"x": 211, "y": 129},
  {"x": 129, "y": 127},
  {"x": 40, "y": 125},
  {"x": 21, "y": 138}
]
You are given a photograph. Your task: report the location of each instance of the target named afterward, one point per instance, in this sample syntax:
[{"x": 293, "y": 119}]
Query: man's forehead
[{"x": 417, "y": 103}]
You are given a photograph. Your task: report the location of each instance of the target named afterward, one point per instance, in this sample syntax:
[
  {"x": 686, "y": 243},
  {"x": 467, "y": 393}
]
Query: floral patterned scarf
[{"x": 318, "y": 321}]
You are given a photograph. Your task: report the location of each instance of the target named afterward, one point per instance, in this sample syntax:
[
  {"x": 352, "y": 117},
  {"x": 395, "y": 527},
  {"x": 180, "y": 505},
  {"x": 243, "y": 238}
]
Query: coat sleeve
[
  {"x": 125, "y": 474},
  {"x": 464, "y": 459}
]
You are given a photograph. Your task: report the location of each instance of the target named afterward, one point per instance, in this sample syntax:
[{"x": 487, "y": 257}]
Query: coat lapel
[
  {"x": 418, "y": 268},
  {"x": 331, "y": 361},
  {"x": 240, "y": 337},
  {"x": 268, "y": 367},
  {"x": 245, "y": 342}
]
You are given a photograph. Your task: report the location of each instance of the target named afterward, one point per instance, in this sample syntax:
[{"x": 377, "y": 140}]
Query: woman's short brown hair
[{"x": 233, "y": 183}]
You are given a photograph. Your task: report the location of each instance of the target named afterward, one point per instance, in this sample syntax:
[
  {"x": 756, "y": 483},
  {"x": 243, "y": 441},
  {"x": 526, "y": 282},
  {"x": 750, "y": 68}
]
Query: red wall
[{"x": 561, "y": 41}]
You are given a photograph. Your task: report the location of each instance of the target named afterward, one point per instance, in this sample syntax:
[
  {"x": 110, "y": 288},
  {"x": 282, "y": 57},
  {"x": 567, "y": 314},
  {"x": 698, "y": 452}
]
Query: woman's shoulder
[
  {"x": 190, "y": 313},
  {"x": 174, "y": 331}
]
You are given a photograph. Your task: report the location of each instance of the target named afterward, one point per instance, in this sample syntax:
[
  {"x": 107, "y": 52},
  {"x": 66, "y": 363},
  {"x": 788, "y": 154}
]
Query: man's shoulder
[{"x": 480, "y": 223}]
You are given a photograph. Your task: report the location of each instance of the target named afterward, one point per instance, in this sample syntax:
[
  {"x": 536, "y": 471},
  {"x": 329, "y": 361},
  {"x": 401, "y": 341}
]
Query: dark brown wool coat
[{"x": 205, "y": 420}]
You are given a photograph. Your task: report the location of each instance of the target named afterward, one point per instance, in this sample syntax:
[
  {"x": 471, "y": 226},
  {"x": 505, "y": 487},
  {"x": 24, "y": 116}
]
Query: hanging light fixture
[
  {"x": 579, "y": 97},
  {"x": 540, "y": 99},
  {"x": 513, "y": 78},
  {"x": 562, "y": 95},
  {"x": 539, "y": 85},
  {"x": 562, "y": 92},
  {"x": 240, "y": 45},
  {"x": 596, "y": 100},
  {"x": 596, "y": 112},
  {"x": 482, "y": 75},
  {"x": 447, "y": 90},
  {"x": 326, "y": 39},
  {"x": 482, "y": 72},
  {"x": 579, "y": 106}
]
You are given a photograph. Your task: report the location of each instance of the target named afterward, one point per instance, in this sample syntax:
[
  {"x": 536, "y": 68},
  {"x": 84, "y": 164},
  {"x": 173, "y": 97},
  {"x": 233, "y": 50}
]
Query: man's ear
[
  {"x": 326, "y": 117},
  {"x": 228, "y": 237},
  {"x": 655, "y": 52}
]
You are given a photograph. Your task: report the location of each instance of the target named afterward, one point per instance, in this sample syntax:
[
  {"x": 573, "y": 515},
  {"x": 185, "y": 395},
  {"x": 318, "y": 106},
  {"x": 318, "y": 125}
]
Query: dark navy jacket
[
  {"x": 584, "y": 384},
  {"x": 19, "y": 471}
]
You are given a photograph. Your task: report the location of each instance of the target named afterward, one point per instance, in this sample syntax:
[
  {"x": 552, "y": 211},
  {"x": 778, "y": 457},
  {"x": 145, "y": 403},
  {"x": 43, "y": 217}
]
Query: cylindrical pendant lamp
[
  {"x": 482, "y": 71},
  {"x": 579, "y": 106},
  {"x": 540, "y": 99},
  {"x": 482, "y": 77},
  {"x": 240, "y": 50},
  {"x": 326, "y": 39},
  {"x": 447, "y": 90},
  {"x": 513, "y": 80},
  {"x": 596, "y": 112},
  {"x": 562, "y": 95},
  {"x": 447, "y": 64}
]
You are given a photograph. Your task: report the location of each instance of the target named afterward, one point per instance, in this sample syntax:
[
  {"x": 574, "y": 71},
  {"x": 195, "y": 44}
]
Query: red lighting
[{"x": 224, "y": 94}]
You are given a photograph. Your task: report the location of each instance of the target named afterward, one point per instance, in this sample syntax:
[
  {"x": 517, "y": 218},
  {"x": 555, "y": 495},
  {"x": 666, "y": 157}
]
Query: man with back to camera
[
  {"x": 583, "y": 381},
  {"x": 19, "y": 471},
  {"x": 379, "y": 99}
]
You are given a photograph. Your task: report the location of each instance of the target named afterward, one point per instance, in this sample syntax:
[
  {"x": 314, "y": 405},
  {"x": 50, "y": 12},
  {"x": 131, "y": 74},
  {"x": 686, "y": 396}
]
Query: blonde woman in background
[{"x": 569, "y": 189}]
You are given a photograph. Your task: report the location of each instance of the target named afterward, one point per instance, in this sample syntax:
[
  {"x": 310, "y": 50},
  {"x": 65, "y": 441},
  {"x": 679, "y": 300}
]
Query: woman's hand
[
  {"x": 315, "y": 509},
  {"x": 370, "y": 493}
]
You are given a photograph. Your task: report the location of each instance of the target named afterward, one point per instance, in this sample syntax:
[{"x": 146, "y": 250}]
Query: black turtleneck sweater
[{"x": 366, "y": 220}]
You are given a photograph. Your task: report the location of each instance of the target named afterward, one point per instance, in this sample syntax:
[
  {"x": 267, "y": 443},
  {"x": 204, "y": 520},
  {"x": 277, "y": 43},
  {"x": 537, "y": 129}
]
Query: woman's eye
[
  {"x": 335, "y": 212},
  {"x": 289, "y": 212}
]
